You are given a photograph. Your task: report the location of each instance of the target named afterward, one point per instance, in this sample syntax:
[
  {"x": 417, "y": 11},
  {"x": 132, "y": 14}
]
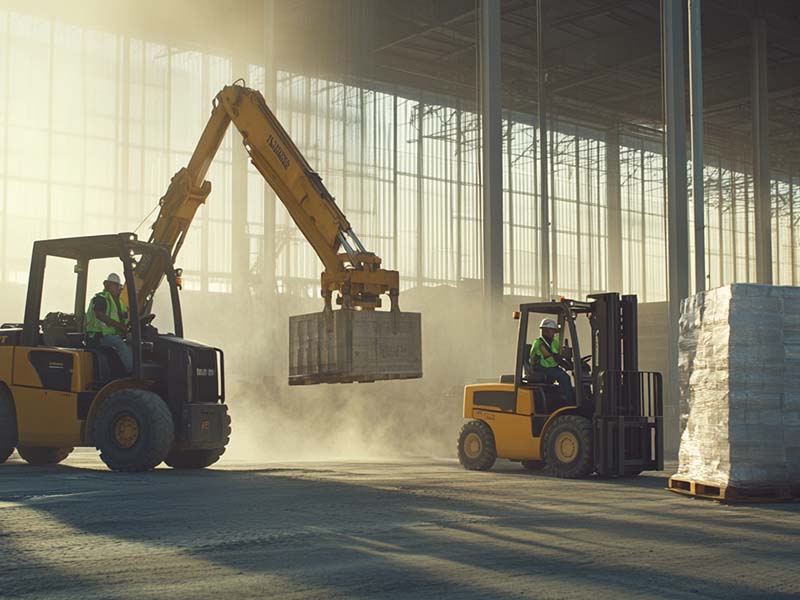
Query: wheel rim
[
  {"x": 126, "y": 431},
  {"x": 473, "y": 445},
  {"x": 566, "y": 446}
]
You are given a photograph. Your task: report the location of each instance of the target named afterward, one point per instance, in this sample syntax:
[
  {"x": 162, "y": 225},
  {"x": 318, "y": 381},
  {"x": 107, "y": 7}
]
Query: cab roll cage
[{"x": 124, "y": 246}]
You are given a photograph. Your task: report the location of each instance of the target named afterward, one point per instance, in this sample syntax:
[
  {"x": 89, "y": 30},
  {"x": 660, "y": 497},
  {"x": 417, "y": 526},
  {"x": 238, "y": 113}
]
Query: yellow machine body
[
  {"x": 52, "y": 417},
  {"x": 511, "y": 415}
]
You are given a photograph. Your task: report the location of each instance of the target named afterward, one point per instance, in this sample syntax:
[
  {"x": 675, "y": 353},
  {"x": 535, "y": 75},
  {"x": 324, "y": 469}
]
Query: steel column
[
  {"x": 696, "y": 108},
  {"x": 792, "y": 226},
  {"x": 761, "y": 187},
  {"x": 673, "y": 61},
  {"x": 492, "y": 156},
  {"x": 614, "y": 215},
  {"x": 510, "y": 175},
  {"x": 544, "y": 199},
  {"x": 420, "y": 192}
]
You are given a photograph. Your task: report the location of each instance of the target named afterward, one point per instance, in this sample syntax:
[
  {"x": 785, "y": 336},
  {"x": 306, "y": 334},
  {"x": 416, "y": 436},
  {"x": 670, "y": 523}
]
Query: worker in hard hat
[
  {"x": 107, "y": 320},
  {"x": 544, "y": 357}
]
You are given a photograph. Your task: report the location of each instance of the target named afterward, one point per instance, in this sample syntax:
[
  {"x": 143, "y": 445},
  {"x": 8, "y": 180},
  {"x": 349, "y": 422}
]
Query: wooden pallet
[{"x": 731, "y": 494}]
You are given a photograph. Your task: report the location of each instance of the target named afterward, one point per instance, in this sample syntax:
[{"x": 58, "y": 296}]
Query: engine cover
[{"x": 192, "y": 373}]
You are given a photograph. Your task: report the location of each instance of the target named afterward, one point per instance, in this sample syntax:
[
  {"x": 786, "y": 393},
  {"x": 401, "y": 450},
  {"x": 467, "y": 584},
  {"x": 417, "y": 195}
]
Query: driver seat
[{"x": 530, "y": 374}]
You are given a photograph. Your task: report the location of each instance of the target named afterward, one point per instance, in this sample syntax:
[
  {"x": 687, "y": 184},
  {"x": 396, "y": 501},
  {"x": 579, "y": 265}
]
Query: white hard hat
[
  {"x": 113, "y": 278},
  {"x": 548, "y": 324}
]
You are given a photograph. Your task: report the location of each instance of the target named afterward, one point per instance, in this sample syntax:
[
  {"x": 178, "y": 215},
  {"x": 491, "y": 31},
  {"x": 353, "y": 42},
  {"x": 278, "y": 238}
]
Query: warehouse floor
[{"x": 378, "y": 529}]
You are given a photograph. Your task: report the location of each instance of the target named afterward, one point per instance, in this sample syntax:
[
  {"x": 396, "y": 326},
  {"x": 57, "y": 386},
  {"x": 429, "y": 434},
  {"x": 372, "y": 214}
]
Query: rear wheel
[
  {"x": 198, "y": 459},
  {"x": 8, "y": 425},
  {"x": 567, "y": 447},
  {"x": 476, "y": 449},
  {"x": 133, "y": 430},
  {"x": 39, "y": 455}
]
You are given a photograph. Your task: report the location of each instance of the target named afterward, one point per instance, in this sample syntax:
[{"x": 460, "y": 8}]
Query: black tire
[
  {"x": 198, "y": 459},
  {"x": 476, "y": 449},
  {"x": 8, "y": 424},
  {"x": 532, "y": 465},
  {"x": 567, "y": 447},
  {"x": 40, "y": 455},
  {"x": 133, "y": 430}
]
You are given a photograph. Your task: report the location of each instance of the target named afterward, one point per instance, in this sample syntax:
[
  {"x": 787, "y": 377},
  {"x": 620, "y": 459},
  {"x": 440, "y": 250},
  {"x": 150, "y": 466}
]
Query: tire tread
[
  {"x": 161, "y": 437},
  {"x": 582, "y": 427},
  {"x": 489, "y": 452}
]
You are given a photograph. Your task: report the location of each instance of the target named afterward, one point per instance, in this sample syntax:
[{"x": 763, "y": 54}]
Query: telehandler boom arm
[{"x": 354, "y": 273}]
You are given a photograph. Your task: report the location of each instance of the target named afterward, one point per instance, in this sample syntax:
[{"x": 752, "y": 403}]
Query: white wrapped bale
[{"x": 739, "y": 370}]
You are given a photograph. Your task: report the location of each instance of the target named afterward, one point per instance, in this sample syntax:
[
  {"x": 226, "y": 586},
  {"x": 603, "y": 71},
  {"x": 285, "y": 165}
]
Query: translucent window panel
[
  {"x": 156, "y": 174},
  {"x": 219, "y": 203},
  {"x": 4, "y": 66},
  {"x": 101, "y": 100},
  {"x": 68, "y": 86},
  {"x": 3, "y": 148},
  {"x": 190, "y": 258},
  {"x": 27, "y": 152},
  {"x": 256, "y": 189},
  {"x": 99, "y": 270},
  {"x": 29, "y": 67},
  {"x": 162, "y": 309},
  {"x": 186, "y": 123},
  {"x": 67, "y": 215},
  {"x": 26, "y": 219},
  {"x": 407, "y": 227},
  {"x": 220, "y": 285},
  {"x": 219, "y": 234},
  {"x": 782, "y": 233},
  {"x": 101, "y": 160},
  {"x": 68, "y": 158},
  {"x": 58, "y": 291}
]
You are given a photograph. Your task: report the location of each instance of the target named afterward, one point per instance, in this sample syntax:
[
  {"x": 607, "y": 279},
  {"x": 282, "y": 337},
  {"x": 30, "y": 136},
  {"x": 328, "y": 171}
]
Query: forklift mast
[
  {"x": 628, "y": 403},
  {"x": 615, "y": 343}
]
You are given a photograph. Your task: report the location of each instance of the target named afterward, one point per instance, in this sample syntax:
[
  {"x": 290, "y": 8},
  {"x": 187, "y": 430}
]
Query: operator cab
[
  {"x": 574, "y": 325},
  {"x": 76, "y": 267}
]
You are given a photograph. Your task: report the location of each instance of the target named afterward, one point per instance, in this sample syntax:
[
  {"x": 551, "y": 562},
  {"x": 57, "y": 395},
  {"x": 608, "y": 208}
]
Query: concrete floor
[{"x": 423, "y": 528}]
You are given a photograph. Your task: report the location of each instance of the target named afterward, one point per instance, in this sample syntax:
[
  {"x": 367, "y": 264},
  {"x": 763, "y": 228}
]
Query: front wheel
[
  {"x": 567, "y": 447},
  {"x": 476, "y": 449},
  {"x": 133, "y": 430}
]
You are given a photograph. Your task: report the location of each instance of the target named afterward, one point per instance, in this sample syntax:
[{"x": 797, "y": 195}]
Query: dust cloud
[{"x": 273, "y": 421}]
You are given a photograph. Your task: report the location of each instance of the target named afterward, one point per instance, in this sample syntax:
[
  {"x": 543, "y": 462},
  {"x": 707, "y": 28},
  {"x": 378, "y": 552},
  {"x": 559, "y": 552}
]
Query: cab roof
[{"x": 115, "y": 245}]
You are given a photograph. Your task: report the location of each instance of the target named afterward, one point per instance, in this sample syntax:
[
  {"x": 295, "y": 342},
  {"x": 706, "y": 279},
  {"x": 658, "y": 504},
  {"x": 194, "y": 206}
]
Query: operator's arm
[
  {"x": 542, "y": 348},
  {"x": 99, "y": 307},
  {"x": 538, "y": 350}
]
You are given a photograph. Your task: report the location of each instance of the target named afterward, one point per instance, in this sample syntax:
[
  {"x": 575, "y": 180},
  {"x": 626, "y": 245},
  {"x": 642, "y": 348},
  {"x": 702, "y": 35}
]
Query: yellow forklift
[
  {"x": 613, "y": 426},
  {"x": 58, "y": 391}
]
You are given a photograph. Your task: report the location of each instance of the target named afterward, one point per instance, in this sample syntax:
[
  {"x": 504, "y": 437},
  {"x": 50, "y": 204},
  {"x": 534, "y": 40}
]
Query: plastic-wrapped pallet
[{"x": 739, "y": 369}]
